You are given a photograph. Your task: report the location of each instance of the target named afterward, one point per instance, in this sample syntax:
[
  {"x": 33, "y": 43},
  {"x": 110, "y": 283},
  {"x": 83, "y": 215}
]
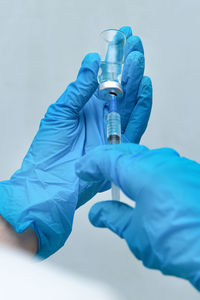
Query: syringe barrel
[
  {"x": 114, "y": 135},
  {"x": 113, "y": 128}
]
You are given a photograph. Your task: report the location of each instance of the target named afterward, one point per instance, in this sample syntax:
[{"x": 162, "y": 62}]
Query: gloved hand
[
  {"x": 45, "y": 192},
  {"x": 163, "y": 230}
]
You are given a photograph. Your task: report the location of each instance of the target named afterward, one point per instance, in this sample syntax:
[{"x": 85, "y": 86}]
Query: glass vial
[{"x": 112, "y": 44}]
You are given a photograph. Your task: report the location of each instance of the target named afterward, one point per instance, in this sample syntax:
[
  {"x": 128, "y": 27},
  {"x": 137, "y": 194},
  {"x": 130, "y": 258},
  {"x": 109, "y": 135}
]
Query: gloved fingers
[
  {"x": 113, "y": 215},
  {"x": 89, "y": 190},
  {"x": 141, "y": 112},
  {"x": 81, "y": 90},
  {"x": 98, "y": 163},
  {"x": 116, "y": 163},
  {"x": 132, "y": 74},
  {"x": 127, "y": 31},
  {"x": 121, "y": 219},
  {"x": 131, "y": 78},
  {"x": 133, "y": 42}
]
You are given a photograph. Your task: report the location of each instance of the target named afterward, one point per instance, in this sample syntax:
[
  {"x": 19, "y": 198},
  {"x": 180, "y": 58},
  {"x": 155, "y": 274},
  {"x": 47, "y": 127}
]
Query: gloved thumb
[
  {"x": 120, "y": 164},
  {"x": 114, "y": 215},
  {"x": 81, "y": 90}
]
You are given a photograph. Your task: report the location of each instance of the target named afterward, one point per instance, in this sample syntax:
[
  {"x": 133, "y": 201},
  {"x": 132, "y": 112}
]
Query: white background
[{"x": 42, "y": 43}]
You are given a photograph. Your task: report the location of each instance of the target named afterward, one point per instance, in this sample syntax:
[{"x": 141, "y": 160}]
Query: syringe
[{"x": 114, "y": 134}]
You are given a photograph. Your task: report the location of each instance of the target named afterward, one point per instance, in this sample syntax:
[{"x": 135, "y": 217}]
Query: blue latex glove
[
  {"x": 163, "y": 230},
  {"x": 45, "y": 192}
]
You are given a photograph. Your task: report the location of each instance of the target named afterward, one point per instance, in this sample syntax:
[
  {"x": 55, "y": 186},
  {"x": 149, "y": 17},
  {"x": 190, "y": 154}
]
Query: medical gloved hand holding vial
[
  {"x": 71, "y": 127},
  {"x": 110, "y": 88}
]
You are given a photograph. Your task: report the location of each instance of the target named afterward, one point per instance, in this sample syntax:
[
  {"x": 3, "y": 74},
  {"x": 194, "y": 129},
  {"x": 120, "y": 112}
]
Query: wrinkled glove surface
[
  {"x": 45, "y": 192},
  {"x": 163, "y": 230}
]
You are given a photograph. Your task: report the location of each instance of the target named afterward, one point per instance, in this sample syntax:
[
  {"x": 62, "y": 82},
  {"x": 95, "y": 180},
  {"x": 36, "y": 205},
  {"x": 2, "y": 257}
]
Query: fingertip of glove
[
  {"x": 146, "y": 87},
  {"x": 91, "y": 57},
  {"x": 135, "y": 57},
  {"x": 95, "y": 215},
  {"x": 127, "y": 31},
  {"x": 147, "y": 81},
  {"x": 91, "y": 61},
  {"x": 134, "y": 43},
  {"x": 134, "y": 66},
  {"x": 92, "y": 215}
]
